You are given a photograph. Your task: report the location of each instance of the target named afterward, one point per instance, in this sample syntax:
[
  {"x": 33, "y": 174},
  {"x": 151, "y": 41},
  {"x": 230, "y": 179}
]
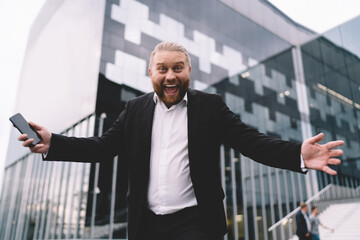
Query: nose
[{"x": 170, "y": 75}]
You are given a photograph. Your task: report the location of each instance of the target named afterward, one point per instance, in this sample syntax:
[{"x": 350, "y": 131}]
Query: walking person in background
[
  {"x": 303, "y": 226},
  {"x": 315, "y": 222}
]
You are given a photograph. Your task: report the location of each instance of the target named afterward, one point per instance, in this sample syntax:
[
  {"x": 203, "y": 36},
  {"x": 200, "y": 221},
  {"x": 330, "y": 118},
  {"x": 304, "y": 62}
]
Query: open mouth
[{"x": 171, "y": 89}]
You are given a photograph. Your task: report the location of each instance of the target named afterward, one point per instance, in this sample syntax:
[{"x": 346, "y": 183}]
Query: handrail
[{"x": 285, "y": 219}]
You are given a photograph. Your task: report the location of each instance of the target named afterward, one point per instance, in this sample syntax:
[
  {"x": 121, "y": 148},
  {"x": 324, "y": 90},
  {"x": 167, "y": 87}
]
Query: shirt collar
[{"x": 157, "y": 99}]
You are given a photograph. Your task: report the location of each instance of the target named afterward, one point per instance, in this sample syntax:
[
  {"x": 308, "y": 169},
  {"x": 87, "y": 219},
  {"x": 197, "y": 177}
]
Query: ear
[
  {"x": 150, "y": 72},
  {"x": 189, "y": 69}
]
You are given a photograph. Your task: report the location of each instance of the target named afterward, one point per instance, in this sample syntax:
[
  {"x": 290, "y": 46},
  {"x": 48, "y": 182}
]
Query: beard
[{"x": 169, "y": 100}]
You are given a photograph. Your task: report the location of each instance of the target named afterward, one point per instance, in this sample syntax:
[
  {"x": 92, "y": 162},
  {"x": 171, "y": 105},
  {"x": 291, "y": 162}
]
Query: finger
[
  {"x": 334, "y": 161},
  {"x": 35, "y": 126},
  {"x": 28, "y": 142},
  {"x": 328, "y": 170},
  {"x": 22, "y": 137},
  {"x": 316, "y": 138},
  {"x": 37, "y": 148},
  {"x": 336, "y": 153},
  {"x": 334, "y": 144}
]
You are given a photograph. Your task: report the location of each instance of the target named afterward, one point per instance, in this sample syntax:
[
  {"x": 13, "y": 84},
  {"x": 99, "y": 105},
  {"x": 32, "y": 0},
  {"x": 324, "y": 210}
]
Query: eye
[
  {"x": 162, "y": 69},
  {"x": 178, "y": 68}
]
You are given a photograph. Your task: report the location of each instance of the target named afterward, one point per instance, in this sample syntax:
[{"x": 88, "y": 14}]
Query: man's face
[
  {"x": 170, "y": 76},
  {"x": 304, "y": 209}
]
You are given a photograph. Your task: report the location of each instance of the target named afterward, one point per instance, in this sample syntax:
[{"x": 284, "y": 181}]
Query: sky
[
  {"x": 16, "y": 17},
  {"x": 319, "y": 15}
]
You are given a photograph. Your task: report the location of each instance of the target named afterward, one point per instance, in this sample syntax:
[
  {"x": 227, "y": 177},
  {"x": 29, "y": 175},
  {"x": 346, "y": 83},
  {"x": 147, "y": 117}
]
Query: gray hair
[{"x": 169, "y": 46}]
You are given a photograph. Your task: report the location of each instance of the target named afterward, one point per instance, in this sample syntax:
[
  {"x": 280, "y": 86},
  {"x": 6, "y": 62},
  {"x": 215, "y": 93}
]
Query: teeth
[{"x": 170, "y": 85}]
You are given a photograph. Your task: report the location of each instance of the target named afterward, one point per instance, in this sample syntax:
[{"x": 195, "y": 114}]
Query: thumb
[
  {"x": 35, "y": 126},
  {"x": 316, "y": 138}
]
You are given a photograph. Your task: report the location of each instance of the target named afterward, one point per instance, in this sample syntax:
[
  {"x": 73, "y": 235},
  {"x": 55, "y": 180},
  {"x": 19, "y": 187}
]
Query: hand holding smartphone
[{"x": 24, "y": 127}]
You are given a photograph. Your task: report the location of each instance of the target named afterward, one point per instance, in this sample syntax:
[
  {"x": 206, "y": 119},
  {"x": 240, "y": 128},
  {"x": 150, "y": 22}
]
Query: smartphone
[{"x": 24, "y": 127}]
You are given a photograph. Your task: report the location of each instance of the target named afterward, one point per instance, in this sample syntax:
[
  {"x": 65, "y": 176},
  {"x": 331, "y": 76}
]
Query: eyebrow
[{"x": 176, "y": 63}]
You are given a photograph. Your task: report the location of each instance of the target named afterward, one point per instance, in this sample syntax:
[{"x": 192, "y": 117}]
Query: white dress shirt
[{"x": 170, "y": 186}]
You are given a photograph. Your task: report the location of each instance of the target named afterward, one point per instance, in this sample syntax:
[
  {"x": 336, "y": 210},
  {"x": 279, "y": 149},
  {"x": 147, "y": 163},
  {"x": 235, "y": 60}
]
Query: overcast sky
[
  {"x": 16, "y": 17},
  {"x": 319, "y": 15}
]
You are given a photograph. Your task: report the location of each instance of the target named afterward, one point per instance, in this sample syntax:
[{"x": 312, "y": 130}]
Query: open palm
[{"x": 319, "y": 156}]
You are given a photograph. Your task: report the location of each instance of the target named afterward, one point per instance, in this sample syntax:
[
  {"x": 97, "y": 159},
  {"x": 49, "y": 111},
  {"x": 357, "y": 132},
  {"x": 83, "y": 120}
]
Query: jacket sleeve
[
  {"x": 92, "y": 149},
  {"x": 255, "y": 145}
]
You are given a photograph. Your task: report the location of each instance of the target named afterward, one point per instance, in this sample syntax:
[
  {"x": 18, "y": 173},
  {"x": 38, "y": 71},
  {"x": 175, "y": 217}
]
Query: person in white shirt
[
  {"x": 315, "y": 222},
  {"x": 172, "y": 139}
]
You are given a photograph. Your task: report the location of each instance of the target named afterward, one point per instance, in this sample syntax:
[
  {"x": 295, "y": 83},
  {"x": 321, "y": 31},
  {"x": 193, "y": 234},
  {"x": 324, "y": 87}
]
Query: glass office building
[
  {"x": 278, "y": 76},
  {"x": 332, "y": 76}
]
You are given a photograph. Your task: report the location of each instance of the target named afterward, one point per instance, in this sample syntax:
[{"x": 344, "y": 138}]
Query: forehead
[{"x": 169, "y": 57}]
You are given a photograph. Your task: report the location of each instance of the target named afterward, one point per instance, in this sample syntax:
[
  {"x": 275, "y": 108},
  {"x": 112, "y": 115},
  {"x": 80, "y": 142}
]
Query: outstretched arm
[
  {"x": 331, "y": 229},
  {"x": 319, "y": 156}
]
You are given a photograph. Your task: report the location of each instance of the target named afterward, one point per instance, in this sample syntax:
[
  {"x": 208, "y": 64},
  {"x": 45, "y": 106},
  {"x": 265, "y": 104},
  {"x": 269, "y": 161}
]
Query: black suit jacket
[
  {"x": 210, "y": 124},
  {"x": 301, "y": 227}
]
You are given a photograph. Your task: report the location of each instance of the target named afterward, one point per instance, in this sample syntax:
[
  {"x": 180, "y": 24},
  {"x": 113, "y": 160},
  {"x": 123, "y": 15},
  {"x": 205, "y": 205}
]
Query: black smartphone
[{"x": 24, "y": 127}]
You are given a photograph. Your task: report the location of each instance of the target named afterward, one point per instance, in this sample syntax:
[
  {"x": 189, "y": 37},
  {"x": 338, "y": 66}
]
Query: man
[
  {"x": 303, "y": 225},
  {"x": 315, "y": 222},
  {"x": 172, "y": 139}
]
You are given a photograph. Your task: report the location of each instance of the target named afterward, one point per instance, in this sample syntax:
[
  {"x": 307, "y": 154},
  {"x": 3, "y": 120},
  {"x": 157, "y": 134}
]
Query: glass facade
[
  {"x": 262, "y": 78},
  {"x": 332, "y": 74}
]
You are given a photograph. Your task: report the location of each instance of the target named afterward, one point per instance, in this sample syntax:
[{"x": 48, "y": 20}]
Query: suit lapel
[
  {"x": 146, "y": 122},
  {"x": 193, "y": 119}
]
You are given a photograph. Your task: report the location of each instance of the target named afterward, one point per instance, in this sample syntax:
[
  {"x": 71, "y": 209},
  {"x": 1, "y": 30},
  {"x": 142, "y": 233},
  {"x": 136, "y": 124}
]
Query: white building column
[{"x": 303, "y": 105}]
